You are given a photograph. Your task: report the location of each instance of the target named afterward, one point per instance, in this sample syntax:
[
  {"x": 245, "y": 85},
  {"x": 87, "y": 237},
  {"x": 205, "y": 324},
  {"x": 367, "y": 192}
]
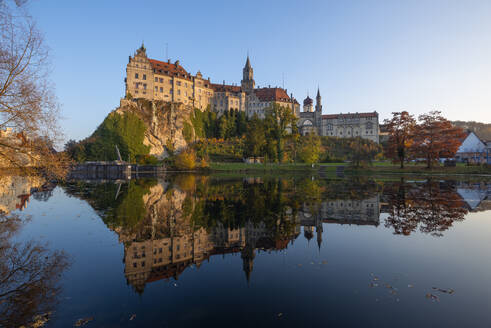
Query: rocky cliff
[{"x": 164, "y": 121}]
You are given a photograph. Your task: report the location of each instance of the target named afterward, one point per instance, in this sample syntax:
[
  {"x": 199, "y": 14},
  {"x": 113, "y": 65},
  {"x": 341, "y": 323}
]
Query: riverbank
[{"x": 379, "y": 168}]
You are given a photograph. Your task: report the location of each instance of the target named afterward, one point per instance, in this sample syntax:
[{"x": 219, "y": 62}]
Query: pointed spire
[
  {"x": 318, "y": 92},
  {"x": 248, "y": 62}
]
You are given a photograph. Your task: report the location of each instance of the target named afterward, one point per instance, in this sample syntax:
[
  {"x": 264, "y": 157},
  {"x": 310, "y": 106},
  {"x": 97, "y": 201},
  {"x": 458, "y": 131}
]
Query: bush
[{"x": 186, "y": 160}]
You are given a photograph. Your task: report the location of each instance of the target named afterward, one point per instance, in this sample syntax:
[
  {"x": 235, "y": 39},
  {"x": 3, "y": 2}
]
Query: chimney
[
  {"x": 223, "y": 82},
  {"x": 168, "y": 61}
]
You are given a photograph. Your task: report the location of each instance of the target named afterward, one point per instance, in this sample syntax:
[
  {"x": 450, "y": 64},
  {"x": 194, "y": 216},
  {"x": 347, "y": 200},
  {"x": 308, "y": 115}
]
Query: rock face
[{"x": 164, "y": 120}]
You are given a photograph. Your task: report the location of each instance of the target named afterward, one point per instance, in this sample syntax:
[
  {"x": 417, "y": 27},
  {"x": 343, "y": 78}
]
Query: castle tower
[
  {"x": 319, "y": 230},
  {"x": 248, "y": 254},
  {"x": 318, "y": 105},
  {"x": 247, "y": 82},
  {"x": 318, "y": 112},
  {"x": 308, "y": 105}
]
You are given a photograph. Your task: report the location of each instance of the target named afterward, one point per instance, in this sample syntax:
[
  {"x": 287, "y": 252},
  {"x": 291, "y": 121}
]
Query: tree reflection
[
  {"x": 29, "y": 276},
  {"x": 432, "y": 206}
]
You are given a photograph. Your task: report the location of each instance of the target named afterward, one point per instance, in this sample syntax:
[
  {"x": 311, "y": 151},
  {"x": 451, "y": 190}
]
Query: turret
[
  {"x": 247, "y": 82},
  {"x": 318, "y": 100}
]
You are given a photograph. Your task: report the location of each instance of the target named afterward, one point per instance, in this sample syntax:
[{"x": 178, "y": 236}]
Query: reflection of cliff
[{"x": 15, "y": 191}]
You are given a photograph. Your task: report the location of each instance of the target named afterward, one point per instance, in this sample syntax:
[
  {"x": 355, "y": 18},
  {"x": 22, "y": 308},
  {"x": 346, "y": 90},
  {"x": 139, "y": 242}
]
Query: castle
[
  {"x": 158, "y": 80},
  {"x": 364, "y": 125}
]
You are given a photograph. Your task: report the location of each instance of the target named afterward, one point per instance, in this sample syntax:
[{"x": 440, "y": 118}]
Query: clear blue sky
[{"x": 365, "y": 55}]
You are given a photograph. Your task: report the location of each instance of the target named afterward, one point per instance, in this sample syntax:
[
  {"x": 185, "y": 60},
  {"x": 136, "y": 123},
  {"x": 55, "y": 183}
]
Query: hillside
[
  {"x": 483, "y": 130},
  {"x": 143, "y": 130}
]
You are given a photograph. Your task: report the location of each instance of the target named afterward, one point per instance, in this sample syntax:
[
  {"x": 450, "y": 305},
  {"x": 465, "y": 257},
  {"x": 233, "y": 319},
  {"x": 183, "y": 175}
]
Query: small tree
[
  {"x": 362, "y": 151},
  {"x": 309, "y": 149},
  {"x": 255, "y": 138},
  {"x": 278, "y": 119},
  {"x": 436, "y": 137},
  {"x": 401, "y": 129}
]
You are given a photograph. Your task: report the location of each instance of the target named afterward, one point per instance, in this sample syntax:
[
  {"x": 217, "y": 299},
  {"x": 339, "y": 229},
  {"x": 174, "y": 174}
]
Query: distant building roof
[
  {"x": 272, "y": 94},
  {"x": 308, "y": 101},
  {"x": 349, "y": 115},
  {"x": 169, "y": 69},
  {"x": 225, "y": 88}
]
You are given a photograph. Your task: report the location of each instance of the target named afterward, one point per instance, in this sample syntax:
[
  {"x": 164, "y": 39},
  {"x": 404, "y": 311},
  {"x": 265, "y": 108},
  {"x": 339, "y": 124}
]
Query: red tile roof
[
  {"x": 169, "y": 69},
  {"x": 225, "y": 88},
  {"x": 272, "y": 94},
  {"x": 349, "y": 115}
]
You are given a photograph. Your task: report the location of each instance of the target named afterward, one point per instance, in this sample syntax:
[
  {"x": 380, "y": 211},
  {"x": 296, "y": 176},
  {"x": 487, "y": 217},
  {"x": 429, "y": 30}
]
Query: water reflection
[
  {"x": 168, "y": 226},
  {"x": 29, "y": 277}
]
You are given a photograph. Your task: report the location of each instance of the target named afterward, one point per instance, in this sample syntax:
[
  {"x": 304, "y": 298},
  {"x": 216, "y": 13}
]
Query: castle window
[
  {"x": 161, "y": 89},
  {"x": 156, "y": 79},
  {"x": 144, "y": 86},
  {"x": 144, "y": 76},
  {"x": 178, "y": 92},
  {"x": 170, "y": 91},
  {"x": 178, "y": 83},
  {"x": 136, "y": 75},
  {"x": 156, "y": 89}
]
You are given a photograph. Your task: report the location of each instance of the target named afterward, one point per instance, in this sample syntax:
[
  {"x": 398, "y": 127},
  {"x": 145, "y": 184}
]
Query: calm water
[{"x": 189, "y": 251}]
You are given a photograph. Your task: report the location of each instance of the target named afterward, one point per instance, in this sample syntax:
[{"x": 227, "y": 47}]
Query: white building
[{"x": 473, "y": 150}]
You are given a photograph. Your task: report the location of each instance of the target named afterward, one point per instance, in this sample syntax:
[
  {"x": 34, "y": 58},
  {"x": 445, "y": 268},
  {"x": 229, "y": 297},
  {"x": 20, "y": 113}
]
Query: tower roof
[
  {"x": 308, "y": 101},
  {"x": 318, "y": 93},
  {"x": 248, "y": 63}
]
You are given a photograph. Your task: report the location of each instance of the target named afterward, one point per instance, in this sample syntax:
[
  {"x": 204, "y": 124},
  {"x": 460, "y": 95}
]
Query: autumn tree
[
  {"x": 401, "y": 129},
  {"x": 432, "y": 206},
  {"x": 436, "y": 137},
  {"x": 309, "y": 149},
  {"x": 28, "y": 109}
]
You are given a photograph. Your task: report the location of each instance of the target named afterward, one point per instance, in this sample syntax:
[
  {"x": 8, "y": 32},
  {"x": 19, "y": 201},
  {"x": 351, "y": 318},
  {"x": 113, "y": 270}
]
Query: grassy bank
[{"x": 379, "y": 168}]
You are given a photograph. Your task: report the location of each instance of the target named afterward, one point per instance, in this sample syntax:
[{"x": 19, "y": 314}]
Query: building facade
[
  {"x": 157, "y": 80},
  {"x": 350, "y": 125}
]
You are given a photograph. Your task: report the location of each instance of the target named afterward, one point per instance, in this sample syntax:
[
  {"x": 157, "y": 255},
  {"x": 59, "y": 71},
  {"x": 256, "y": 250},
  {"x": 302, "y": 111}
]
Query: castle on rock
[{"x": 159, "y": 80}]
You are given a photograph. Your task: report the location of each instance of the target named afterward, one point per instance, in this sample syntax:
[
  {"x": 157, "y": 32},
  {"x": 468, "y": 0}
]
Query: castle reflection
[{"x": 168, "y": 226}]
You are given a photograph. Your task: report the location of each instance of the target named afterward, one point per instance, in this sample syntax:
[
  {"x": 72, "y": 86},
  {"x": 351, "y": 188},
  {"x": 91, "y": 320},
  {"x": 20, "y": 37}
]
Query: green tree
[
  {"x": 255, "y": 138},
  {"x": 309, "y": 149},
  {"x": 278, "y": 121}
]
